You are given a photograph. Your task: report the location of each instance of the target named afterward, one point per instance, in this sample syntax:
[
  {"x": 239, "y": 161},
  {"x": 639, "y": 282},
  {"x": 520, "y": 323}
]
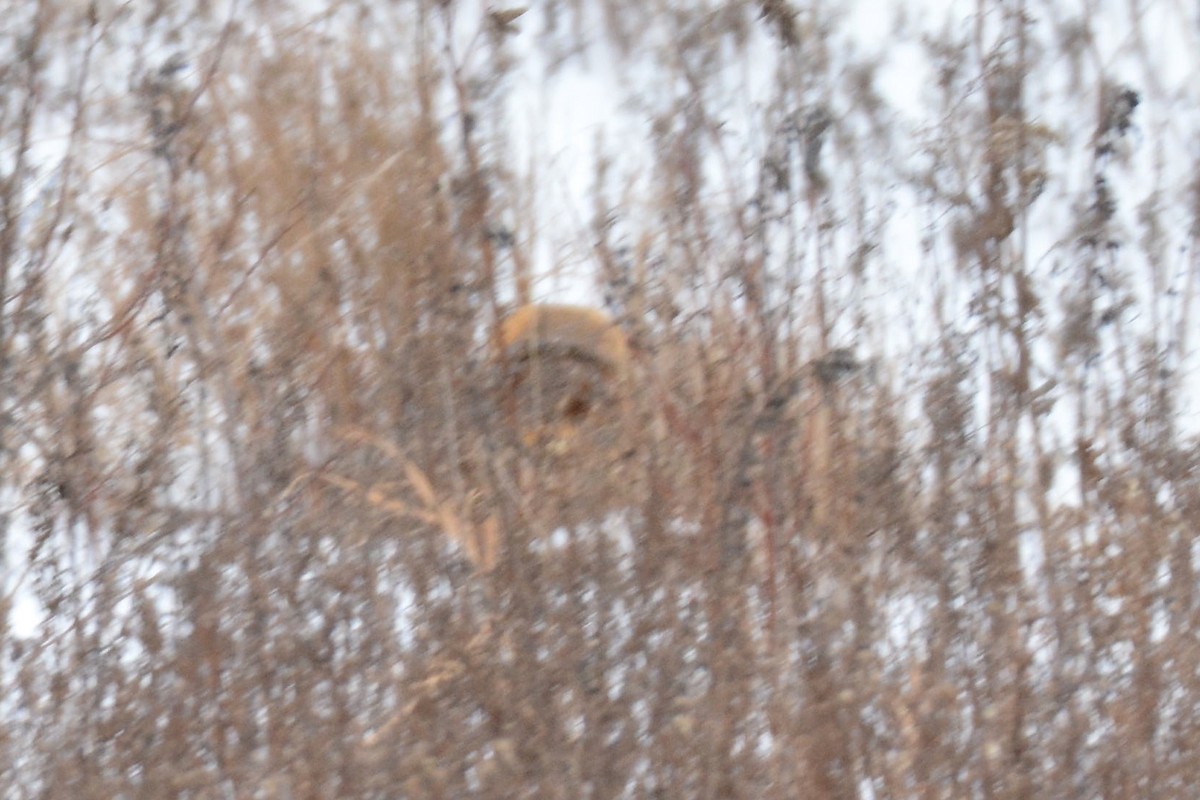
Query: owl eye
[{"x": 576, "y": 407}]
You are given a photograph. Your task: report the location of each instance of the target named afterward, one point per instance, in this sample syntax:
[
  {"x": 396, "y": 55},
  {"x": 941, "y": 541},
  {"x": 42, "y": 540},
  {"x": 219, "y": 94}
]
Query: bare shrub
[{"x": 878, "y": 473}]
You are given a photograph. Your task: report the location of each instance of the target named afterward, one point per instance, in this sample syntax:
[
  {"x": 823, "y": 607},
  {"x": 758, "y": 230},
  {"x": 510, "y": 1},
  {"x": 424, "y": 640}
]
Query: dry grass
[{"x": 266, "y": 484}]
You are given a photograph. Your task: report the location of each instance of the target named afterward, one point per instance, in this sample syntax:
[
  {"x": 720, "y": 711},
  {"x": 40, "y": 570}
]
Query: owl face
[{"x": 566, "y": 369}]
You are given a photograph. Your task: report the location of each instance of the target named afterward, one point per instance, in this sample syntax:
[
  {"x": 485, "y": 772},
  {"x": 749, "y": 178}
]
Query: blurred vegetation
[{"x": 901, "y": 501}]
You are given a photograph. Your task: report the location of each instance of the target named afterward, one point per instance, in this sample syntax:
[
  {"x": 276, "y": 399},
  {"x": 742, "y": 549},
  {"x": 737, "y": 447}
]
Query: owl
[{"x": 567, "y": 371}]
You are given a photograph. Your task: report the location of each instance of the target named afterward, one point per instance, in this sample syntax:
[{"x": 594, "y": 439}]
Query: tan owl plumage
[
  {"x": 573, "y": 331},
  {"x": 568, "y": 368}
]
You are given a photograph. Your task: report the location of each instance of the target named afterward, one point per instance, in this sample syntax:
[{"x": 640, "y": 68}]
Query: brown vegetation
[{"x": 877, "y": 483}]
